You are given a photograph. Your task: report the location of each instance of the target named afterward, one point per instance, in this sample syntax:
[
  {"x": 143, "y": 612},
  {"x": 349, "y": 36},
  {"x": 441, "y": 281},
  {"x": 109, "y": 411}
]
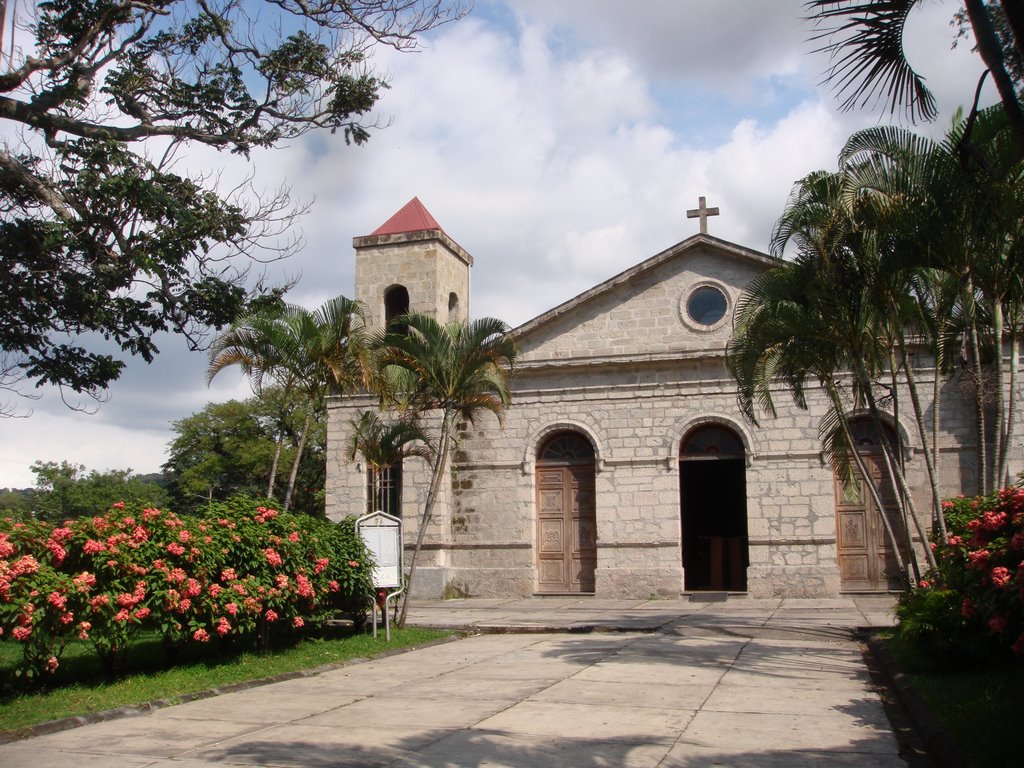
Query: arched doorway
[
  {"x": 868, "y": 562},
  {"x": 713, "y": 504},
  {"x": 566, "y": 515}
]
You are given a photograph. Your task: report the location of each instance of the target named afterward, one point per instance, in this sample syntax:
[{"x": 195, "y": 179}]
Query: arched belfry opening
[
  {"x": 566, "y": 515},
  {"x": 713, "y": 508},
  {"x": 396, "y": 302},
  {"x": 868, "y": 561}
]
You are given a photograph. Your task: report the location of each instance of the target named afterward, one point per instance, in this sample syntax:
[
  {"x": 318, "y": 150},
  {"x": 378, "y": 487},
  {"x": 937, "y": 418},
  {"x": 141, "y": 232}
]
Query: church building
[{"x": 625, "y": 468}]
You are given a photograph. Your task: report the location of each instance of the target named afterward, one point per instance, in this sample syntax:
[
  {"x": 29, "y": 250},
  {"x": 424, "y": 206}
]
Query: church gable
[{"x": 680, "y": 300}]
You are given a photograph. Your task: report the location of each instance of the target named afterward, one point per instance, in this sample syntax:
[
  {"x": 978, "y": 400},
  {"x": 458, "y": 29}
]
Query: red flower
[
  {"x": 272, "y": 557},
  {"x": 997, "y": 624},
  {"x": 978, "y": 559},
  {"x": 298, "y": 623},
  {"x": 201, "y": 635},
  {"x": 1000, "y": 576},
  {"x": 175, "y": 548},
  {"x": 270, "y": 616},
  {"x": 118, "y": 505}
]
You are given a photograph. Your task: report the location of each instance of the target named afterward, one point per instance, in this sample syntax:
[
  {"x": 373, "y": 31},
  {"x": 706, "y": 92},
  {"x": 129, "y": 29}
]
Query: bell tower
[{"x": 409, "y": 264}]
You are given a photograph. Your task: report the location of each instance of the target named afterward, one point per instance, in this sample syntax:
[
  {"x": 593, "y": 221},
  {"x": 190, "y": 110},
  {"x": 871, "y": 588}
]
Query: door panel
[
  {"x": 566, "y": 530},
  {"x": 867, "y": 560}
]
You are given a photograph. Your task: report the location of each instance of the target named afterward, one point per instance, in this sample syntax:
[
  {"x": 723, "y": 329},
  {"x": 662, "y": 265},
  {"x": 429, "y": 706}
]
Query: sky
[{"x": 559, "y": 142}]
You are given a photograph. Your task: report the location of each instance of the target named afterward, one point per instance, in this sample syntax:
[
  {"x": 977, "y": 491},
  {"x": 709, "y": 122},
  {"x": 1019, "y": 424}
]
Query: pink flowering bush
[
  {"x": 974, "y": 605},
  {"x": 236, "y": 575},
  {"x": 40, "y": 607}
]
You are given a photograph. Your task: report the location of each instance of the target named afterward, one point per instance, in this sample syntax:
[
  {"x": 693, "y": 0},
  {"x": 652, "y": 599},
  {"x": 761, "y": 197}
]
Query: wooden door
[
  {"x": 867, "y": 560},
  {"x": 566, "y": 529}
]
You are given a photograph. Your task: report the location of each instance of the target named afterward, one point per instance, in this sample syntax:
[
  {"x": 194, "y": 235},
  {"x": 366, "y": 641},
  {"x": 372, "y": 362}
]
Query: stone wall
[{"x": 622, "y": 365}]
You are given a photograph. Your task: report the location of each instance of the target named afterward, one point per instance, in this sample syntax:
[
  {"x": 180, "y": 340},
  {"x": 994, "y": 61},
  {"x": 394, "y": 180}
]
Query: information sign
[{"x": 382, "y": 535}]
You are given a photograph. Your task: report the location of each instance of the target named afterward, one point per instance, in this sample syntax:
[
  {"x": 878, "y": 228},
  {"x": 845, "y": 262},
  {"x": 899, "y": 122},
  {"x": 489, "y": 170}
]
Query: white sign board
[{"x": 382, "y": 535}]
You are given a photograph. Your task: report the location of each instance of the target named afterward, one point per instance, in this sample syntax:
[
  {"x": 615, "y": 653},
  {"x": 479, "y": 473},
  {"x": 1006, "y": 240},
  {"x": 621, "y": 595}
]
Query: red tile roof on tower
[{"x": 413, "y": 217}]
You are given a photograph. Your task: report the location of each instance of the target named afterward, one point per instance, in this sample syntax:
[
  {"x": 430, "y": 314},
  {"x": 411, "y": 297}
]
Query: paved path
[{"x": 745, "y": 683}]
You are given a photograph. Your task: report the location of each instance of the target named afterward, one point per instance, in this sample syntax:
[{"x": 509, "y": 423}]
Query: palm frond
[{"x": 868, "y": 64}]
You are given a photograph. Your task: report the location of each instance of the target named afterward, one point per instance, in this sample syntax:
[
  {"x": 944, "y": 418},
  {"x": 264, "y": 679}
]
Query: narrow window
[
  {"x": 453, "y": 307},
  {"x": 384, "y": 490}
]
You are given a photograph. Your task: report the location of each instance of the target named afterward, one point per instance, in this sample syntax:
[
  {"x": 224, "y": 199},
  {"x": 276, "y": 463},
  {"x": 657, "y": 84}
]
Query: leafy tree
[
  {"x": 101, "y": 235},
  {"x": 65, "y": 491},
  {"x": 453, "y": 371},
  {"x": 229, "y": 448},
  {"x": 16, "y": 502},
  {"x": 309, "y": 353},
  {"x": 865, "y": 39}
]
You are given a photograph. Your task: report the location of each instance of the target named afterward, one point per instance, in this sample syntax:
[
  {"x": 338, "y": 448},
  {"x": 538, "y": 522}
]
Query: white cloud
[{"x": 560, "y": 144}]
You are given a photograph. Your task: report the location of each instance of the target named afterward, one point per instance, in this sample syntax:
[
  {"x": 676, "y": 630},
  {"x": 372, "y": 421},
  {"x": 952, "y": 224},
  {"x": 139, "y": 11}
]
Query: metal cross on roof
[{"x": 702, "y": 212}]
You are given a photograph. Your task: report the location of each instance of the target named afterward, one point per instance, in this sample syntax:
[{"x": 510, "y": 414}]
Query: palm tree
[
  {"x": 314, "y": 353},
  {"x": 826, "y": 315},
  {"x": 384, "y": 445},
  {"x": 456, "y": 371},
  {"x": 865, "y": 40},
  {"x": 952, "y": 213}
]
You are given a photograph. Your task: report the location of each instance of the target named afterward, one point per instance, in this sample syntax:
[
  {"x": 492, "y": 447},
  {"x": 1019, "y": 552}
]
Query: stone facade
[{"x": 625, "y": 366}]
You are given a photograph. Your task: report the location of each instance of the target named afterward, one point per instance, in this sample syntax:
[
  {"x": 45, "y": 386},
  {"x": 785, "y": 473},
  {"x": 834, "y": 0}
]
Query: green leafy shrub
[
  {"x": 239, "y": 574},
  {"x": 973, "y": 607}
]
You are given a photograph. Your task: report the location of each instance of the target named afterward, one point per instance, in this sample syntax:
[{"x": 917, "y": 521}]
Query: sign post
[{"x": 382, "y": 535}]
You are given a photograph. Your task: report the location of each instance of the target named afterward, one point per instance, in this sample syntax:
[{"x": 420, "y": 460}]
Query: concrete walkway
[{"x": 742, "y": 683}]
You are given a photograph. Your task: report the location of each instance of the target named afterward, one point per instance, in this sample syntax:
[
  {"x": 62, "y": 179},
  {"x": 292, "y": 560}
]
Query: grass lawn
[
  {"x": 980, "y": 707},
  {"x": 79, "y": 688}
]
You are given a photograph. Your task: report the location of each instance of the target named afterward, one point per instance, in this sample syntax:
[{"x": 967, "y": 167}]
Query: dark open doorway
[{"x": 713, "y": 502}]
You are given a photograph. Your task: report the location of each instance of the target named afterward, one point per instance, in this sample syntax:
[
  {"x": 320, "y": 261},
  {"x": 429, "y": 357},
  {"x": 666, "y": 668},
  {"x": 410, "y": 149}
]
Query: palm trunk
[
  {"x": 436, "y": 475},
  {"x": 999, "y": 449},
  {"x": 979, "y": 390},
  {"x": 298, "y": 459},
  {"x": 915, "y": 402},
  {"x": 991, "y": 50},
  {"x": 1011, "y": 407},
  {"x": 904, "y": 498},
  {"x": 936, "y": 409},
  {"x": 273, "y": 465},
  {"x": 862, "y": 468}
]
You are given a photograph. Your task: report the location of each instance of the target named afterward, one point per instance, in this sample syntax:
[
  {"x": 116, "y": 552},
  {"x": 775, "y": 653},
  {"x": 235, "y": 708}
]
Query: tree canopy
[
  {"x": 104, "y": 240},
  {"x": 232, "y": 448}
]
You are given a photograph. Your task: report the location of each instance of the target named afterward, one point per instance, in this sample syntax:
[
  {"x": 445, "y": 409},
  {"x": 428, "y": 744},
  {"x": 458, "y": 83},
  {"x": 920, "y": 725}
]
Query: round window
[{"x": 706, "y": 305}]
